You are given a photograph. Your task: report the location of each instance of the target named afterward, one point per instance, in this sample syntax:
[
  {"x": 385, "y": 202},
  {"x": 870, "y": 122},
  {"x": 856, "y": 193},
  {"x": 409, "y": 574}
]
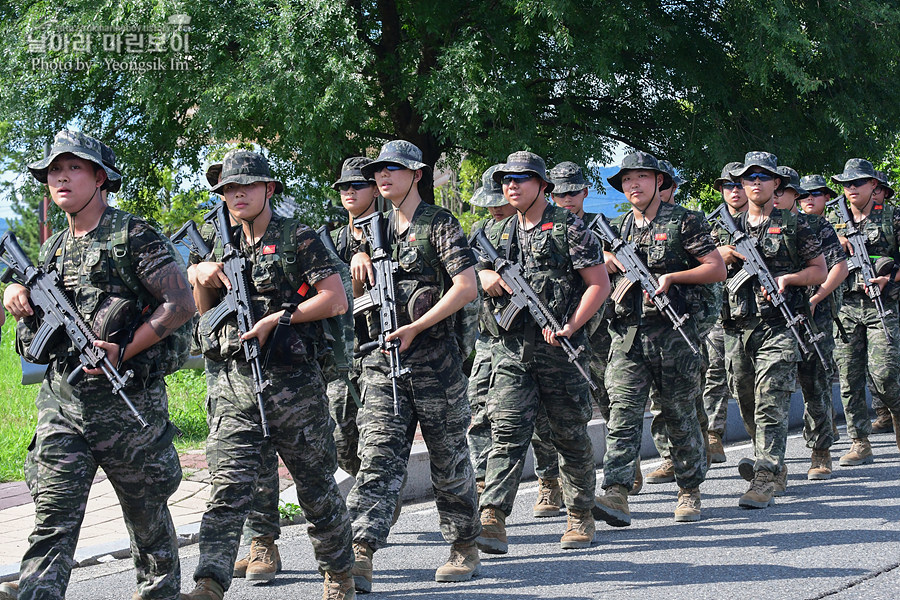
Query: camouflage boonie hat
[
  {"x": 725, "y": 175},
  {"x": 396, "y": 152},
  {"x": 351, "y": 171},
  {"x": 524, "y": 162},
  {"x": 213, "y": 174},
  {"x": 791, "y": 179},
  {"x": 81, "y": 145},
  {"x": 639, "y": 161},
  {"x": 490, "y": 193},
  {"x": 567, "y": 177},
  {"x": 881, "y": 176},
  {"x": 855, "y": 168},
  {"x": 766, "y": 161},
  {"x": 815, "y": 183},
  {"x": 245, "y": 167},
  {"x": 668, "y": 168},
  {"x": 109, "y": 159}
]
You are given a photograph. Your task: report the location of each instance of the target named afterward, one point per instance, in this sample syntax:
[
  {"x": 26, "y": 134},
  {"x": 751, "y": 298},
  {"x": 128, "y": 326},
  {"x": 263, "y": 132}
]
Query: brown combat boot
[
  {"x": 780, "y": 482},
  {"x": 463, "y": 564},
  {"x": 638, "y": 478},
  {"x": 762, "y": 491},
  {"x": 10, "y": 590},
  {"x": 716, "y": 448},
  {"x": 883, "y": 422},
  {"x": 493, "y": 532},
  {"x": 688, "y": 508},
  {"x": 665, "y": 473},
  {"x": 240, "y": 566},
  {"x": 580, "y": 530},
  {"x": 479, "y": 490},
  {"x": 207, "y": 589},
  {"x": 362, "y": 566},
  {"x": 613, "y": 506},
  {"x": 338, "y": 586},
  {"x": 820, "y": 465},
  {"x": 549, "y": 499},
  {"x": 265, "y": 560},
  {"x": 860, "y": 454}
]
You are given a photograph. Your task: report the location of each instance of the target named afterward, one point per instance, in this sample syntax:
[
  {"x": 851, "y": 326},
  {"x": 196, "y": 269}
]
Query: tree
[{"x": 313, "y": 82}]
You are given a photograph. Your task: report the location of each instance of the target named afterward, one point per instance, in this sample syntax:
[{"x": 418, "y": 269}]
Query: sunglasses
[
  {"x": 730, "y": 185},
  {"x": 394, "y": 167},
  {"x": 757, "y": 177},
  {"x": 356, "y": 185},
  {"x": 818, "y": 193},
  {"x": 517, "y": 177},
  {"x": 857, "y": 183},
  {"x": 569, "y": 194}
]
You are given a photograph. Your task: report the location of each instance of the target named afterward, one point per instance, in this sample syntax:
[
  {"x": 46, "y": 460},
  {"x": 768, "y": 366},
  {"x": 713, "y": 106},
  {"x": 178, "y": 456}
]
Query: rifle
[
  {"x": 524, "y": 296},
  {"x": 754, "y": 265},
  {"x": 637, "y": 272},
  {"x": 382, "y": 297},
  {"x": 860, "y": 261},
  {"x": 47, "y": 296},
  {"x": 190, "y": 236},
  {"x": 236, "y": 301}
]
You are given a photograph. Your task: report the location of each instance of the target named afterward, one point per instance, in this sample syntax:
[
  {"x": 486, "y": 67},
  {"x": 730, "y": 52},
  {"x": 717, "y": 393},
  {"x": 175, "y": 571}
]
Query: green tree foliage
[{"x": 314, "y": 81}]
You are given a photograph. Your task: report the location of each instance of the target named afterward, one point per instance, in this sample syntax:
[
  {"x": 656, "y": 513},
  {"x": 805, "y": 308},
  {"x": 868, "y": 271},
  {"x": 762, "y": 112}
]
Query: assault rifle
[
  {"x": 755, "y": 266},
  {"x": 236, "y": 301},
  {"x": 56, "y": 312},
  {"x": 637, "y": 272},
  {"x": 190, "y": 236},
  {"x": 382, "y": 297},
  {"x": 524, "y": 296},
  {"x": 860, "y": 261}
]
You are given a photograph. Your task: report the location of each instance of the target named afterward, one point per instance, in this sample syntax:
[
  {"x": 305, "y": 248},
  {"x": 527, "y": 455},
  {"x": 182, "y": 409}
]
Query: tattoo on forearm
[{"x": 171, "y": 288}]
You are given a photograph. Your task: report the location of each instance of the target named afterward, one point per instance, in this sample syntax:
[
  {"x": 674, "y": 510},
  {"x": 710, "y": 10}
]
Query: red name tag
[
  {"x": 774, "y": 230},
  {"x": 546, "y": 226},
  {"x": 412, "y": 237},
  {"x": 303, "y": 289},
  {"x": 269, "y": 249},
  {"x": 877, "y": 207},
  {"x": 661, "y": 237}
]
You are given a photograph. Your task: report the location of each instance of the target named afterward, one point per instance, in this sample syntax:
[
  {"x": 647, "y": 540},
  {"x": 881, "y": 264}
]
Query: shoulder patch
[
  {"x": 774, "y": 230},
  {"x": 270, "y": 249},
  {"x": 546, "y": 226},
  {"x": 661, "y": 237}
]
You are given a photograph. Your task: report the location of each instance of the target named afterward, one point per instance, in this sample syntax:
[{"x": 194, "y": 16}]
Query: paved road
[{"x": 838, "y": 539}]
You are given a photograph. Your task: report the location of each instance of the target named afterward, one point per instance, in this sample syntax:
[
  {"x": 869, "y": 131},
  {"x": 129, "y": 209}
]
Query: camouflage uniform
[
  {"x": 296, "y": 407},
  {"x": 432, "y": 396},
  {"x": 715, "y": 390},
  {"x": 84, "y": 427},
  {"x": 530, "y": 374},
  {"x": 647, "y": 353}
]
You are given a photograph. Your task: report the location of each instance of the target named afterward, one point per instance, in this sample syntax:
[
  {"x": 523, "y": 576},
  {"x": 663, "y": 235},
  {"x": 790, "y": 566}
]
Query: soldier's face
[
  {"x": 640, "y": 186},
  {"x": 521, "y": 193},
  {"x": 666, "y": 195},
  {"x": 501, "y": 212},
  {"x": 569, "y": 202},
  {"x": 395, "y": 185},
  {"x": 72, "y": 181},
  {"x": 878, "y": 195},
  {"x": 785, "y": 198},
  {"x": 357, "y": 200},
  {"x": 735, "y": 196},
  {"x": 246, "y": 202},
  {"x": 858, "y": 193},
  {"x": 814, "y": 204},
  {"x": 759, "y": 191}
]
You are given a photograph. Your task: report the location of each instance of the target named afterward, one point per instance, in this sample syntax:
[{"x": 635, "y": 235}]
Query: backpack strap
[
  {"x": 887, "y": 225},
  {"x": 55, "y": 243},
  {"x": 120, "y": 253}
]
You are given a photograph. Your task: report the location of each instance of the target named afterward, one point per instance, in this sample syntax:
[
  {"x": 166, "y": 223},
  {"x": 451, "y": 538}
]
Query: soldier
[
  {"x": 668, "y": 195},
  {"x": 883, "y": 422},
  {"x": 85, "y": 426},
  {"x": 867, "y": 349},
  {"x": 815, "y": 379},
  {"x": 294, "y": 401},
  {"x": 760, "y": 353},
  {"x": 561, "y": 260},
  {"x": 435, "y": 279},
  {"x": 678, "y": 250},
  {"x": 715, "y": 391}
]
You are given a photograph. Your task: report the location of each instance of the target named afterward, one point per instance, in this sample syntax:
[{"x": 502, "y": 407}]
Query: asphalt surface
[{"x": 836, "y": 539}]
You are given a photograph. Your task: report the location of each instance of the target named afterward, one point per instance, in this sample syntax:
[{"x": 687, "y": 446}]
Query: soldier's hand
[
  {"x": 15, "y": 300},
  {"x": 879, "y": 281},
  {"x": 665, "y": 282},
  {"x": 212, "y": 275},
  {"x": 405, "y": 334},
  {"x": 192, "y": 275},
  {"x": 814, "y": 302},
  {"x": 493, "y": 284},
  {"x": 263, "y": 329},
  {"x": 112, "y": 353},
  {"x": 730, "y": 255},
  {"x": 361, "y": 268},
  {"x": 550, "y": 335},
  {"x": 845, "y": 244},
  {"x": 613, "y": 265}
]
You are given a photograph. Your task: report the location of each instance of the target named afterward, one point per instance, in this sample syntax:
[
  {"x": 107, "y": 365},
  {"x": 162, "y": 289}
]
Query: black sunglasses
[
  {"x": 757, "y": 177},
  {"x": 857, "y": 183},
  {"x": 356, "y": 185},
  {"x": 564, "y": 194},
  {"x": 517, "y": 177},
  {"x": 730, "y": 185}
]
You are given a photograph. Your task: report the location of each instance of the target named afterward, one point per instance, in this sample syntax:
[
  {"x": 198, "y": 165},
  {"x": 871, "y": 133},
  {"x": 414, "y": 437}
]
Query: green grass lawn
[{"x": 187, "y": 405}]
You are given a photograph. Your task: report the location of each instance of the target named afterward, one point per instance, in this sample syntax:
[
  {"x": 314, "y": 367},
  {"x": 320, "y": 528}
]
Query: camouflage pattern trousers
[
  {"x": 600, "y": 342},
  {"x": 78, "y": 431},
  {"x": 867, "y": 351},
  {"x": 761, "y": 358},
  {"x": 344, "y": 409},
  {"x": 546, "y": 464},
  {"x": 658, "y": 357},
  {"x": 715, "y": 392},
  {"x": 815, "y": 382},
  {"x": 527, "y": 378},
  {"x": 301, "y": 433},
  {"x": 433, "y": 396}
]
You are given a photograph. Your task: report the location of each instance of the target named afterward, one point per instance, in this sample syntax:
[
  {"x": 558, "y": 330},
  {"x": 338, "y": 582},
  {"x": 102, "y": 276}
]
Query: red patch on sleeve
[
  {"x": 774, "y": 230},
  {"x": 661, "y": 237},
  {"x": 303, "y": 289},
  {"x": 546, "y": 226},
  {"x": 270, "y": 249}
]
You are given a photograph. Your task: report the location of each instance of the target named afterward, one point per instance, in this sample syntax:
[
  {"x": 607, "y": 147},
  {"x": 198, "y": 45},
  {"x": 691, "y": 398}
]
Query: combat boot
[
  {"x": 762, "y": 491},
  {"x": 240, "y": 567},
  {"x": 479, "y": 490},
  {"x": 638, "y": 478},
  {"x": 493, "y": 532},
  {"x": 820, "y": 465},
  {"x": 716, "y": 448},
  {"x": 338, "y": 586},
  {"x": 549, "y": 499},
  {"x": 688, "y": 507},
  {"x": 664, "y": 474},
  {"x": 613, "y": 506},
  {"x": 883, "y": 422},
  {"x": 780, "y": 482},
  {"x": 362, "y": 566},
  {"x": 745, "y": 468},
  {"x": 580, "y": 530},
  {"x": 207, "y": 589},
  {"x": 9, "y": 590},
  {"x": 265, "y": 560},
  {"x": 860, "y": 454},
  {"x": 463, "y": 565}
]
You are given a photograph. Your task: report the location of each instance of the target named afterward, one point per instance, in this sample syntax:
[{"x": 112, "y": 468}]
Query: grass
[{"x": 187, "y": 407}]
